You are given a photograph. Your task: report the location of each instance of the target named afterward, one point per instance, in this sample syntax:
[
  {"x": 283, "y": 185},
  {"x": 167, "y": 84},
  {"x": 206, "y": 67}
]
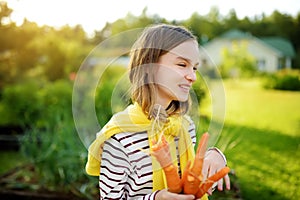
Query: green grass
[
  {"x": 261, "y": 140},
  {"x": 266, "y": 162},
  {"x": 248, "y": 104}
]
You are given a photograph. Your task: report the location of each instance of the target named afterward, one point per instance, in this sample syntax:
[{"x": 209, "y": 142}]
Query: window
[{"x": 261, "y": 64}]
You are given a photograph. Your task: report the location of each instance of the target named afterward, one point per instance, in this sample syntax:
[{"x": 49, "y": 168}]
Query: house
[{"x": 270, "y": 53}]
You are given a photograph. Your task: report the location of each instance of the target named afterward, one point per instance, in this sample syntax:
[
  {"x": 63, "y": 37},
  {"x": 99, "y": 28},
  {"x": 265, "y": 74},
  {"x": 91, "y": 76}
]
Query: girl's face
[{"x": 176, "y": 72}]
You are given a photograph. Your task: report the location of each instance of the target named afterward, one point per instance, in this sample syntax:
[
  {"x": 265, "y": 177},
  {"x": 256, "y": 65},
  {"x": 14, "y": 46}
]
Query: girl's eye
[
  {"x": 182, "y": 64},
  {"x": 195, "y": 68}
]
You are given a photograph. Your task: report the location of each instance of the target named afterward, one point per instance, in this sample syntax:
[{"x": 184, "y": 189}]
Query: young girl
[{"x": 163, "y": 66}]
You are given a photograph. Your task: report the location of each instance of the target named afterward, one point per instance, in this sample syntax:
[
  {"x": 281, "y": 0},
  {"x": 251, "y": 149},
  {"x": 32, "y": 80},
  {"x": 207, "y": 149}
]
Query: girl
[{"x": 163, "y": 66}]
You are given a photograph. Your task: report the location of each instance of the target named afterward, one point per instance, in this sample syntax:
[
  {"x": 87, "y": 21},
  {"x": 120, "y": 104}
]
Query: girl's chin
[{"x": 183, "y": 98}]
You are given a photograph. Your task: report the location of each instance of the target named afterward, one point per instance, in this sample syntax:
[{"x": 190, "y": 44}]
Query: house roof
[
  {"x": 235, "y": 34},
  {"x": 280, "y": 44}
]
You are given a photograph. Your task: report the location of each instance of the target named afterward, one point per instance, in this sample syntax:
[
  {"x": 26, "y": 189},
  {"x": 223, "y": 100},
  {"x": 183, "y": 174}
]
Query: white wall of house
[
  {"x": 266, "y": 54},
  {"x": 266, "y": 57},
  {"x": 211, "y": 52}
]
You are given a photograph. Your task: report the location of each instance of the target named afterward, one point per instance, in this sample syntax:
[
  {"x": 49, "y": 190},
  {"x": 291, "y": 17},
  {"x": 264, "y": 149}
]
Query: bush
[
  {"x": 237, "y": 61},
  {"x": 111, "y": 84},
  {"x": 56, "y": 100},
  {"x": 283, "y": 80},
  {"x": 58, "y": 158},
  {"x": 21, "y": 104},
  {"x": 50, "y": 144},
  {"x": 200, "y": 88},
  {"x": 36, "y": 104}
]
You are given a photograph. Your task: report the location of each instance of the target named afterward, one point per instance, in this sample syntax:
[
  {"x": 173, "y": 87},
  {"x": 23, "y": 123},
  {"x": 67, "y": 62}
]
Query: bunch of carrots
[{"x": 192, "y": 181}]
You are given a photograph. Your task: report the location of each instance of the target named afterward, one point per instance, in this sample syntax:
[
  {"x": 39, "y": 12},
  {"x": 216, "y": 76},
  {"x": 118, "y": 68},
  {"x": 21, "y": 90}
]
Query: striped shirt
[{"x": 126, "y": 167}]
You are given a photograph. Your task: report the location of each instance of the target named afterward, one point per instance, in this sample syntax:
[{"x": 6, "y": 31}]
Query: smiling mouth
[{"x": 186, "y": 88}]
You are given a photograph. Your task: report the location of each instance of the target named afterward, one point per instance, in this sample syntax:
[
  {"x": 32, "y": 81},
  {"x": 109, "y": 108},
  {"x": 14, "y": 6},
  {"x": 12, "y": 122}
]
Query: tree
[
  {"x": 5, "y": 12},
  {"x": 129, "y": 22},
  {"x": 237, "y": 60}
]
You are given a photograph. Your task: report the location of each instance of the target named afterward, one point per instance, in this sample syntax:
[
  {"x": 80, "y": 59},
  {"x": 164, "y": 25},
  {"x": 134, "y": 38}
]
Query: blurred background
[{"x": 255, "y": 49}]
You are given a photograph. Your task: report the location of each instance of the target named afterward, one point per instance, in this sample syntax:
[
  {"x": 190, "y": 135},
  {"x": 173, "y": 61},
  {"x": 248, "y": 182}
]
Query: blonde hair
[{"x": 155, "y": 41}]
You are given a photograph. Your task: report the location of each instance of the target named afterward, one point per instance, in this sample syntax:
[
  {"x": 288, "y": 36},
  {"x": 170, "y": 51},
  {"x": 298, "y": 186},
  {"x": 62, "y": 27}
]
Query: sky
[{"x": 93, "y": 14}]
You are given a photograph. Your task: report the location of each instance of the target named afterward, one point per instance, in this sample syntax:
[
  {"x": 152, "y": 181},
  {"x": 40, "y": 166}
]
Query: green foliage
[
  {"x": 50, "y": 146},
  {"x": 103, "y": 102},
  {"x": 5, "y": 11},
  {"x": 58, "y": 158},
  {"x": 29, "y": 51},
  {"x": 199, "y": 88},
  {"x": 104, "y": 99},
  {"x": 10, "y": 160},
  {"x": 237, "y": 61},
  {"x": 283, "y": 80},
  {"x": 57, "y": 103},
  {"x": 198, "y": 24},
  {"x": 32, "y": 51},
  {"x": 129, "y": 22},
  {"x": 22, "y": 104},
  {"x": 36, "y": 104},
  {"x": 58, "y": 54}
]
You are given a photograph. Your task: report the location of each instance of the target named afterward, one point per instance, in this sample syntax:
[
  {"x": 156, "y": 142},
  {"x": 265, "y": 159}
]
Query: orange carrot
[
  {"x": 199, "y": 157},
  {"x": 191, "y": 182},
  {"x": 162, "y": 154},
  {"x": 211, "y": 180},
  {"x": 193, "y": 176},
  {"x": 173, "y": 180}
]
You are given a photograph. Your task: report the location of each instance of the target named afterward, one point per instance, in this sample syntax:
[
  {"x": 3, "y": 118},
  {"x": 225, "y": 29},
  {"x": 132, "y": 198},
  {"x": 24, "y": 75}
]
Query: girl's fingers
[
  {"x": 165, "y": 195},
  {"x": 220, "y": 184},
  {"x": 210, "y": 191},
  {"x": 227, "y": 182},
  {"x": 205, "y": 168}
]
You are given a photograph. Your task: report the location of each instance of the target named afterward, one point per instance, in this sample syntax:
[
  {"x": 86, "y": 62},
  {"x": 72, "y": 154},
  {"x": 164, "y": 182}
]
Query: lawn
[
  {"x": 248, "y": 104},
  {"x": 261, "y": 140}
]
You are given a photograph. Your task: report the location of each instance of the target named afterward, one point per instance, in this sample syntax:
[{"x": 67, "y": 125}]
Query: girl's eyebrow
[{"x": 187, "y": 60}]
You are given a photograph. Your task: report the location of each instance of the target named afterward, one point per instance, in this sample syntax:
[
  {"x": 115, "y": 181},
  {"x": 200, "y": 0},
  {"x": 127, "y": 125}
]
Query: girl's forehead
[{"x": 188, "y": 49}]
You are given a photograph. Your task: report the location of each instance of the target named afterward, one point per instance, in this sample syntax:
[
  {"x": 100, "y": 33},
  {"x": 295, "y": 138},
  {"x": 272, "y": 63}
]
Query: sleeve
[
  {"x": 219, "y": 151},
  {"x": 114, "y": 174},
  {"x": 192, "y": 131}
]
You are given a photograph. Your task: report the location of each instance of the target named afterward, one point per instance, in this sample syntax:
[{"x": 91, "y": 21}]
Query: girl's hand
[
  {"x": 165, "y": 195},
  {"x": 213, "y": 162}
]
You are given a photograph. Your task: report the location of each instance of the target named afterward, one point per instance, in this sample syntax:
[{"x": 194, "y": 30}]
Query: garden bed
[
  {"x": 38, "y": 195},
  {"x": 18, "y": 184}
]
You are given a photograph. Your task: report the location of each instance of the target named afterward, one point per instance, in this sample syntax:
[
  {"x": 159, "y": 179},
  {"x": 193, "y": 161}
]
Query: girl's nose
[{"x": 191, "y": 76}]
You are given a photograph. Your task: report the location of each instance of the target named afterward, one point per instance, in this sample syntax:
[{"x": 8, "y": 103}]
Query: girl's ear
[
  {"x": 146, "y": 78},
  {"x": 148, "y": 68}
]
